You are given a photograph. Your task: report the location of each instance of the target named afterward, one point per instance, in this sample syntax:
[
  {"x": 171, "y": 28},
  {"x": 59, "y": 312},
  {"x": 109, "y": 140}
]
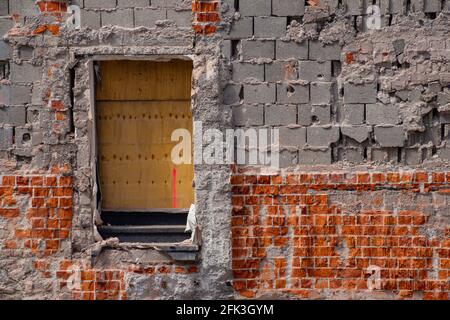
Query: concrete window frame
[{"x": 85, "y": 201}]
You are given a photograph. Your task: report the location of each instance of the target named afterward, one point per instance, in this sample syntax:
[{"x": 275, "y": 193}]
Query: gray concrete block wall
[
  {"x": 288, "y": 7},
  {"x": 280, "y": 115},
  {"x": 291, "y": 50},
  {"x": 119, "y": 17},
  {"x": 135, "y": 13},
  {"x": 366, "y": 125},
  {"x": 6, "y": 138},
  {"x": 257, "y": 49},
  {"x": 270, "y": 27},
  {"x": 147, "y": 17},
  {"x": 22, "y": 71},
  {"x": 4, "y": 8},
  {"x": 100, "y": 4},
  {"x": 277, "y": 78}
]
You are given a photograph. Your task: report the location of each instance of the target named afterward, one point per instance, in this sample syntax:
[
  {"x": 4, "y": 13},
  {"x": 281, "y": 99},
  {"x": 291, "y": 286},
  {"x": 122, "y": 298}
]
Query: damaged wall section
[{"x": 363, "y": 117}]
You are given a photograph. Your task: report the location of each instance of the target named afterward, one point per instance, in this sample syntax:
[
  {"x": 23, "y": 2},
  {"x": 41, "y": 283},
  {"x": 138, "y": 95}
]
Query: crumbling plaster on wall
[
  {"x": 385, "y": 102},
  {"x": 77, "y": 50},
  {"x": 61, "y": 144}
]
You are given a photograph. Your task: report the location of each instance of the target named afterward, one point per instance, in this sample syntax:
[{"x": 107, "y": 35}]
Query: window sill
[{"x": 181, "y": 252}]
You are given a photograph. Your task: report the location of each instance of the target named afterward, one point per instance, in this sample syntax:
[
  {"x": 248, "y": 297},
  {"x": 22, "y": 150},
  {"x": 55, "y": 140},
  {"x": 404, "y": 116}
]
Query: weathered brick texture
[
  {"x": 38, "y": 212},
  {"x": 207, "y": 16},
  {"x": 319, "y": 235}
]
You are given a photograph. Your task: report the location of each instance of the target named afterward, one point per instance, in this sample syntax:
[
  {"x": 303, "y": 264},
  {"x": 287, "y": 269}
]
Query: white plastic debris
[{"x": 191, "y": 224}]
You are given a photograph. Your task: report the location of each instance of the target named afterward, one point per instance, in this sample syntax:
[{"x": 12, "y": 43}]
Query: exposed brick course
[{"x": 316, "y": 234}]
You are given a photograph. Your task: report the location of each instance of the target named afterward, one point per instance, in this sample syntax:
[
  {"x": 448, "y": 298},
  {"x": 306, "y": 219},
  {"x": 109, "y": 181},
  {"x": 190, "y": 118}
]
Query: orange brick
[
  {"x": 10, "y": 244},
  {"x": 210, "y": 29},
  {"x": 208, "y": 17},
  {"x": 9, "y": 213},
  {"x": 37, "y": 181},
  {"x": 20, "y": 233},
  {"x": 9, "y": 181},
  {"x": 65, "y": 181},
  {"x": 41, "y": 192},
  {"x": 22, "y": 181}
]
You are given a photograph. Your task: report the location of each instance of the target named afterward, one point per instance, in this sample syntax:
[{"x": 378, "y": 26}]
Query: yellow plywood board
[
  {"x": 145, "y": 80},
  {"x": 134, "y": 149}
]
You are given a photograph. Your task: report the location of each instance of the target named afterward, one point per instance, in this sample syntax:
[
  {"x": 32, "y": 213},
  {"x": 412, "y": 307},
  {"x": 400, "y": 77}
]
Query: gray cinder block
[
  {"x": 321, "y": 93},
  {"x": 90, "y": 19},
  {"x": 418, "y": 5},
  {"x": 6, "y": 138},
  {"x": 5, "y": 94},
  {"x": 270, "y": 27},
  {"x": 332, "y": 5},
  {"x": 357, "y": 133},
  {"x": 355, "y": 7},
  {"x": 328, "y": 52},
  {"x": 288, "y": 158},
  {"x": 363, "y": 93},
  {"x": 105, "y": 4},
  {"x": 26, "y": 53},
  {"x": 120, "y": 18},
  {"x": 281, "y": 71},
  {"x": 24, "y": 73},
  {"x": 6, "y": 23},
  {"x": 242, "y": 28},
  {"x": 132, "y": 3},
  {"x": 147, "y": 17},
  {"x": 314, "y": 71},
  {"x": 398, "y": 7},
  {"x": 4, "y": 8},
  {"x": 247, "y": 71},
  {"x": 25, "y": 8},
  {"x": 280, "y": 115},
  {"x": 413, "y": 156},
  {"x": 291, "y": 50},
  {"x": 231, "y": 94},
  {"x": 322, "y": 136},
  {"x": 288, "y": 7},
  {"x": 393, "y": 136},
  {"x": 352, "y": 113},
  {"x": 36, "y": 96},
  {"x": 292, "y": 137},
  {"x": 314, "y": 157},
  {"x": 432, "y": 6},
  {"x": 255, "y": 8},
  {"x": 20, "y": 95},
  {"x": 292, "y": 93},
  {"x": 304, "y": 114},
  {"x": 5, "y": 50},
  {"x": 259, "y": 93},
  {"x": 352, "y": 155},
  {"x": 254, "y": 49},
  {"x": 181, "y": 18},
  {"x": 14, "y": 116},
  {"x": 382, "y": 114},
  {"x": 321, "y": 114},
  {"x": 23, "y": 137},
  {"x": 248, "y": 115}
]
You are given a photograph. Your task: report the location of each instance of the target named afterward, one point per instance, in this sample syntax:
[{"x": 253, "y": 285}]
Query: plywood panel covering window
[{"x": 138, "y": 106}]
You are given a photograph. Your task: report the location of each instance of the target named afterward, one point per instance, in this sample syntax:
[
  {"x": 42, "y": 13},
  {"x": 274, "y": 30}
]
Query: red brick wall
[
  {"x": 37, "y": 209},
  {"x": 54, "y": 11},
  {"x": 315, "y": 235},
  {"x": 206, "y": 16}
]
